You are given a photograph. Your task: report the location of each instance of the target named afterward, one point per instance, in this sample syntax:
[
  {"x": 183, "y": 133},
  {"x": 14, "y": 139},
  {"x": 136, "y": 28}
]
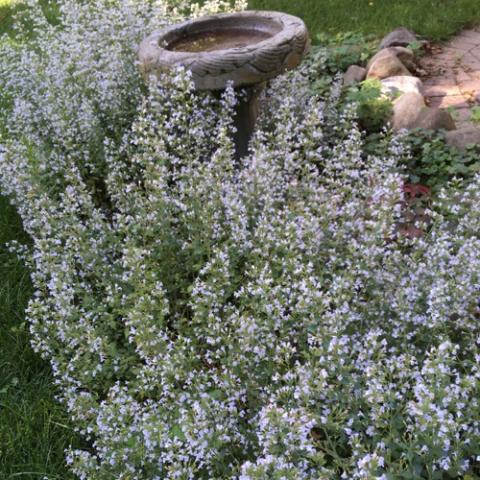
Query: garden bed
[{"x": 268, "y": 319}]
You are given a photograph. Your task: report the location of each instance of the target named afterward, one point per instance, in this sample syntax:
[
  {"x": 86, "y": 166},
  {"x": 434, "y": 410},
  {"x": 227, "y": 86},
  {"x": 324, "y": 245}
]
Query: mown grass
[
  {"x": 34, "y": 429},
  {"x": 435, "y": 19}
]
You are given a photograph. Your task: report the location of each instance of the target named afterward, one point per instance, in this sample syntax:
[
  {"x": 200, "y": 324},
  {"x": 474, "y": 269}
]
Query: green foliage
[
  {"x": 374, "y": 114},
  {"x": 316, "y": 63},
  {"x": 373, "y": 109},
  {"x": 345, "y": 49},
  {"x": 475, "y": 114},
  {"x": 417, "y": 48},
  {"x": 333, "y": 55},
  {"x": 434, "y": 163}
]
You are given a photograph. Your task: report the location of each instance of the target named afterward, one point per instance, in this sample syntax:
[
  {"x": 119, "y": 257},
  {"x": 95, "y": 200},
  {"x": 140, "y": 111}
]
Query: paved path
[{"x": 452, "y": 75}]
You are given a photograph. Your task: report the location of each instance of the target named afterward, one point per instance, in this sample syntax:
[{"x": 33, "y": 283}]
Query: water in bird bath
[{"x": 219, "y": 39}]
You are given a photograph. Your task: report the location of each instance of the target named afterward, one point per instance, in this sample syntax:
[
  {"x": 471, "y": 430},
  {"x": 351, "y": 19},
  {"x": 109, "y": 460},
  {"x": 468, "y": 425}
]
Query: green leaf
[{"x": 177, "y": 432}]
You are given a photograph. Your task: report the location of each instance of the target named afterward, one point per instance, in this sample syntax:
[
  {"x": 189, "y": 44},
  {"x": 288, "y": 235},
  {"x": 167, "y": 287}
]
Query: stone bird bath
[{"x": 245, "y": 49}]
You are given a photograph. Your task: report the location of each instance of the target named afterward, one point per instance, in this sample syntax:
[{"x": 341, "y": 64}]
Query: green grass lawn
[
  {"x": 435, "y": 19},
  {"x": 34, "y": 428}
]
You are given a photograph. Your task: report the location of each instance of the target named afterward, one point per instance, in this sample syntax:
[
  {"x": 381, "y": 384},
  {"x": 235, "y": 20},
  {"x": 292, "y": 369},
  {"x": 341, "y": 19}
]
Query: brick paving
[{"x": 451, "y": 75}]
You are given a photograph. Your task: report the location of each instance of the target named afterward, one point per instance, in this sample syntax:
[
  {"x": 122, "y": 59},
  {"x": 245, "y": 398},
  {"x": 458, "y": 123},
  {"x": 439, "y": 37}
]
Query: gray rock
[
  {"x": 463, "y": 137},
  {"x": 354, "y": 74},
  {"x": 396, "y": 86},
  {"x": 406, "y": 110},
  {"x": 400, "y": 37},
  {"x": 388, "y": 65},
  {"x": 434, "y": 119},
  {"x": 405, "y": 55}
]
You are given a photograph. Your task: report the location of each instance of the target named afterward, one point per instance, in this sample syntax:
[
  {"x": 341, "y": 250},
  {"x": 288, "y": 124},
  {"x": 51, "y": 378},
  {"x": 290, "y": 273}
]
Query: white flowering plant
[{"x": 207, "y": 318}]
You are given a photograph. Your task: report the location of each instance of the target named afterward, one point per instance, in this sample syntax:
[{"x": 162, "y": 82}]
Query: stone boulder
[
  {"x": 388, "y": 65},
  {"x": 396, "y": 86},
  {"x": 435, "y": 119},
  {"x": 405, "y": 55},
  {"x": 353, "y": 75},
  {"x": 463, "y": 137},
  {"x": 400, "y": 37},
  {"x": 406, "y": 110}
]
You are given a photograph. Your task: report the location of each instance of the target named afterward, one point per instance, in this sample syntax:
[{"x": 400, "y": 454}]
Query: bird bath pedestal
[{"x": 245, "y": 49}]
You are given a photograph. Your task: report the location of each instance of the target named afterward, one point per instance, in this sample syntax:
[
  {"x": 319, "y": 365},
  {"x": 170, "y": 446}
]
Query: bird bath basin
[
  {"x": 219, "y": 40},
  {"x": 245, "y": 49}
]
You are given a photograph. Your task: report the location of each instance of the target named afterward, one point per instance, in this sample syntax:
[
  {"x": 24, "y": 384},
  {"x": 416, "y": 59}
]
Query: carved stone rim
[{"x": 244, "y": 66}]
